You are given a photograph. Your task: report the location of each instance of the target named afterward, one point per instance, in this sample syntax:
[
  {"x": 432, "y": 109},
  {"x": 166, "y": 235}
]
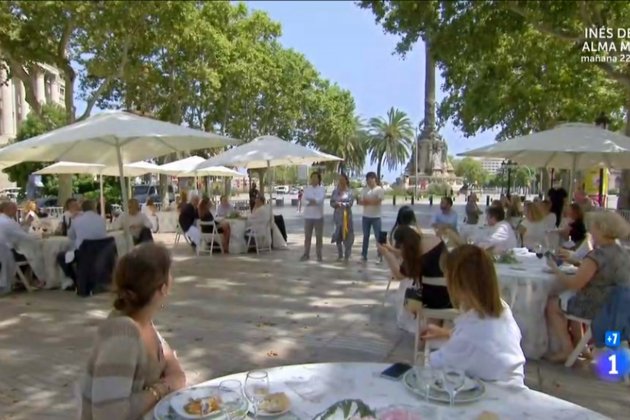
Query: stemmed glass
[
  {"x": 231, "y": 398},
  {"x": 539, "y": 250},
  {"x": 425, "y": 378},
  {"x": 453, "y": 380},
  {"x": 256, "y": 388}
]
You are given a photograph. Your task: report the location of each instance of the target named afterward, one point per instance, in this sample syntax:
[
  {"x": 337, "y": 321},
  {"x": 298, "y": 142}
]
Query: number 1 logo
[{"x": 613, "y": 365}]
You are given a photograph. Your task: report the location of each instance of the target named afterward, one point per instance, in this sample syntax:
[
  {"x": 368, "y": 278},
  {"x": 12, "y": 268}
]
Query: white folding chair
[
  {"x": 256, "y": 235},
  {"x": 208, "y": 240},
  {"x": 425, "y": 314},
  {"x": 21, "y": 276},
  {"x": 179, "y": 233}
]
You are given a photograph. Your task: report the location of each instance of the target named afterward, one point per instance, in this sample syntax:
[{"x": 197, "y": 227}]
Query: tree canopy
[
  {"x": 472, "y": 171},
  {"x": 518, "y": 65},
  {"x": 391, "y": 138},
  {"x": 215, "y": 66}
]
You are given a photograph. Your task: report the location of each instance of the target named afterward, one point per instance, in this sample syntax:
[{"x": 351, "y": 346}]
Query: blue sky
[{"x": 345, "y": 44}]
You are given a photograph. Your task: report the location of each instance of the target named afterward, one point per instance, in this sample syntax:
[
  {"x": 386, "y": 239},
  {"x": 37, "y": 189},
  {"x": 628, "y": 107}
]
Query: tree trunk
[
  {"x": 378, "y": 170},
  {"x": 623, "y": 201}
]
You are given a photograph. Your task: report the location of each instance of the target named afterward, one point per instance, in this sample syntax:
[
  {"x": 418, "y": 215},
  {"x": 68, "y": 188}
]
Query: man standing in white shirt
[
  {"x": 19, "y": 241},
  {"x": 371, "y": 198},
  {"x": 87, "y": 226},
  {"x": 314, "y": 196},
  {"x": 502, "y": 237}
]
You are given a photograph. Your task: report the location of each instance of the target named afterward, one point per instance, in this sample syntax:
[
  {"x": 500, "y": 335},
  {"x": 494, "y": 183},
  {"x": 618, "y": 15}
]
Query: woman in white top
[
  {"x": 137, "y": 221},
  {"x": 533, "y": 230},
  {"x": 485, "y": 341}
]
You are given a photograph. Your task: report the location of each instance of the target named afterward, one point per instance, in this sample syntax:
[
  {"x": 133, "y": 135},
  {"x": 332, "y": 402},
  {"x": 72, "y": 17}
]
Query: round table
[
  {"x": 526, "y": 287},
  {"x": 314, "y": 388}
]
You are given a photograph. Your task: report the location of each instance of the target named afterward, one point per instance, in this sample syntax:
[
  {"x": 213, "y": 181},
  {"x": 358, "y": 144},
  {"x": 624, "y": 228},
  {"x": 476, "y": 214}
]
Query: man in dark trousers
[{"x": 253, "y": 194}]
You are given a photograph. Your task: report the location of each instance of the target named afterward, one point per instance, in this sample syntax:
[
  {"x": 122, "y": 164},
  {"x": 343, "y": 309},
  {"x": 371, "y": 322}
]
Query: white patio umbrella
[
  {"x": 112, "y": 138},
  {"x": 188, "y": 168},
  {"x": 265, "y": 152},
  {"x": 129, "y": 170},
  {"x": 571, "y": 146}
]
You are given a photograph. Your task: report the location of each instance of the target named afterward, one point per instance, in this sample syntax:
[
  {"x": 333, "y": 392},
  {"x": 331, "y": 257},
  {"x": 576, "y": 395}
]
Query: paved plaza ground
[{"x": 233, "y": 313}]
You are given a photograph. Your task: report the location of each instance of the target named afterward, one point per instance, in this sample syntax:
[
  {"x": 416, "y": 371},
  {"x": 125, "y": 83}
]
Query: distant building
[
  {"x": 49, "y": 88},
  {"x": 491, "y": 165}
]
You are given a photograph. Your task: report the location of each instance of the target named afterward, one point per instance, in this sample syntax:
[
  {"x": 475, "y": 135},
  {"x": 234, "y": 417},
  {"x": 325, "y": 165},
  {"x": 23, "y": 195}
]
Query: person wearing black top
[
  {"x": 557, "y": 196},
  {"x": 187, "y": 216},
  {"x": 253, "y": 194},
  {"x": 223, "y": 227},
  {"x": 420, "y": 258},
  {"x": 576, "y": 230}
]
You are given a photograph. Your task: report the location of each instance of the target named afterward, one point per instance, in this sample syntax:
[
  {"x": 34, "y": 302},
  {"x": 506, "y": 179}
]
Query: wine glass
[
  {"x": 425, "y": 378},
  {"x": 231, "y": 395},
  {"x": 256, "y": 388},
  {"x": 539, "y": 250},
  {"x": 453, "y": 380}
]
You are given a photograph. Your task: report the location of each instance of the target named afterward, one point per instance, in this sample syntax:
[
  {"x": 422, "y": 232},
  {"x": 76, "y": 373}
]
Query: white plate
[{"x": 181, "y": 398}]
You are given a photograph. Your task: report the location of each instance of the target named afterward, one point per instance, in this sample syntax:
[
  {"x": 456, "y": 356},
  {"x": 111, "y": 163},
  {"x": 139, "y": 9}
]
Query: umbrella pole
[
  {"x": 100, "y": 181},
  {"x": 123, "y": 191},
  {"x": 270, "y": 200}
]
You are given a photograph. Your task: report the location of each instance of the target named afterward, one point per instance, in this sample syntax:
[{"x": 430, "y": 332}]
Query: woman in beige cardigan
[{"x": 131, "y": 367}]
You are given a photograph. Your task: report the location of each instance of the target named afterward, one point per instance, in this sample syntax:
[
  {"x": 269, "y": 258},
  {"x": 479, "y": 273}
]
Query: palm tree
[
  {"x": 391, "y": 139},
  {"x": 353, "y": 150}
]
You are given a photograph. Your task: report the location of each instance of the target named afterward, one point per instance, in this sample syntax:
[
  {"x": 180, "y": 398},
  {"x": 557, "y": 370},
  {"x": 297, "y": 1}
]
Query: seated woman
[
  {"x": 405, "y": 217},
  {"x": 420, "y": 255},
  {"x": 131, "y": 367},
  {"x": 603, "y": 269},
  {"x": 224, "y": 209},
  {"x": 138, "y": 222},
  {"x": 393, "y": 256},
  {"x": 150, "y": 210},
  {"x": 575, "y": 230},
  {"x": 533, "y": 230},
  {"x": 223, "y": 227},
  {"x": 485, "y": 341},
  {"x": 31, "y": 215}
]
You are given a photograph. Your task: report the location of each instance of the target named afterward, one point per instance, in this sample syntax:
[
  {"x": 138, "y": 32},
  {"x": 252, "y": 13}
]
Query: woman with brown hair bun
[
  {"x": 485, "y": 342},
  {"x": 131, "y": 367}
]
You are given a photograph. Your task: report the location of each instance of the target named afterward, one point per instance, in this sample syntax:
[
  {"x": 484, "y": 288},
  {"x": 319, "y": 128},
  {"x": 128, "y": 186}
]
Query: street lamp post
[
  {"x": 603, "y": 122},
  {"x": 508, "y": 165}
]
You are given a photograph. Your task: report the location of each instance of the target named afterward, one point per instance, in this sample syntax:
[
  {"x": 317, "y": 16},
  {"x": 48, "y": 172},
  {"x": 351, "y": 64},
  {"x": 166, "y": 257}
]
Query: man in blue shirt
[{"x": 446, "y": 217}]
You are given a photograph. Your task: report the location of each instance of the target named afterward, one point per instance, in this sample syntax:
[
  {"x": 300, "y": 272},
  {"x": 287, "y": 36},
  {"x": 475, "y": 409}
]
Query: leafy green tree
[
  {"x": 517, "y": 64},
  {"x": 49, "y": 118},
  {"x": 472, "y": 171},
  {"x": 391, "y": 139}
]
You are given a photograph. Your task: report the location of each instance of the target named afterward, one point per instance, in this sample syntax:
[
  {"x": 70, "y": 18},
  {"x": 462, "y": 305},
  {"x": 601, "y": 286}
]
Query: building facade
[
  {"x": 49, "y": 88},
  {"x": 491, "y": 165}
]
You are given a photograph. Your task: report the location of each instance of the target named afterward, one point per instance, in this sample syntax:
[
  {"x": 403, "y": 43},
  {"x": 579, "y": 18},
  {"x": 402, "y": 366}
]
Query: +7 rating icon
[{"x": 612, "y": 338}]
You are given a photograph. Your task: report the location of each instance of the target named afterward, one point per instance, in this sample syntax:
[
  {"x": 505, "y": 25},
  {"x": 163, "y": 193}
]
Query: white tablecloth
[
  {"x": 314, "y": 388},
  {"x": 167, "y": 221},
  {"x": 238, "y": 245},
  {"x": 49, "y": 248},
  {"x": 526, "y": 287}
]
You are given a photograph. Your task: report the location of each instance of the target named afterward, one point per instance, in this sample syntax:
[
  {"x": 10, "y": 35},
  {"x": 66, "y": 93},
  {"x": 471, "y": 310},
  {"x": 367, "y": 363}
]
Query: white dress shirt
[
  {"x": 550, "y": 221},
  {"x": 87, "y": 226},
  {"x": 11, "y": 232},
  {"x": 372, "y": 210},
  {"x": 224, "y": 210},
  {"x": 485, "y": 348},
  {"x": 318, "y": 194},
  {"x": 135, "y": 222},
  {"x": 501, "y": 237}
]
